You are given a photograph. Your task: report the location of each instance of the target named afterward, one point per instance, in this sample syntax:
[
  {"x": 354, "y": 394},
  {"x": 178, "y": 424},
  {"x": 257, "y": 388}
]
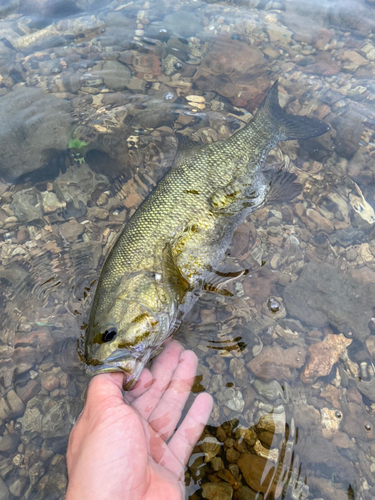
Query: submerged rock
[
  {"x": 277, "y": 363},
  {"x": 323, "y": 356},
  {"x": 324, "y": 295},
  {"x": 34, "y": 126}
]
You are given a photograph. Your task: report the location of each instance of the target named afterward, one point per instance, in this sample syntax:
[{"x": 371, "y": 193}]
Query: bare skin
[{"x": 128, "y": 447}]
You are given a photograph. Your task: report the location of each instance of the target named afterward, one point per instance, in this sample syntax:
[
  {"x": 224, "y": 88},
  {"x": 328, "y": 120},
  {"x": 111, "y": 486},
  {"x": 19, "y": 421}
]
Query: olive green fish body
[{"x": 159, "y": 264}]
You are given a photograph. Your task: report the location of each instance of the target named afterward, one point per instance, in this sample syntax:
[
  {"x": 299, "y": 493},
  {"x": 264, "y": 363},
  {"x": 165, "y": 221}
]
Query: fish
[{"x": 167, "y": 253}]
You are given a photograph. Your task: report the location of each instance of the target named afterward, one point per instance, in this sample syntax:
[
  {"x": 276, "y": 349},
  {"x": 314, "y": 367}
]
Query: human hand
[{"x": 118, "y": 448}]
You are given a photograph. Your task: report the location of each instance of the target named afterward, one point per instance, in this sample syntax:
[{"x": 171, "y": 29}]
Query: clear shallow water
[{"x": 91, "y": 98}]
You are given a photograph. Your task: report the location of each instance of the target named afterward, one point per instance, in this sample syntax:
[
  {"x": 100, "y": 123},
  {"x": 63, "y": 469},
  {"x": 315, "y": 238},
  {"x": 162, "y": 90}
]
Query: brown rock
[
  {"x": 321, "y": 222},
  {"x": 322, "y": 37},
  {"x": 8, "y": 443},
  {"x": 331, "y": 394},
  {"x": 133, "y": 200},
  {"x": 15, "y": 403},
  {"x": 277, "y": 363},
  {"x": 29, "y": 390},
  {"x": 364, "y": 275},
  {"x": 227, "y": 67},
  {"x": 323, "y": 356},
  {"x": 228, "y": 478},
  {"x": 217, "y": 491},
  {"x": 253, "y": 470},
  {"x": 49, "y": 381},
  {"x": 232, "y": 455},
  {"x": 328, "y": 490},
  {"x": 341, "y": 440},
  {"x": 217, "y": 363},
  {"x": 354, "y": 57},
  {"x": 358, "y": 423}
]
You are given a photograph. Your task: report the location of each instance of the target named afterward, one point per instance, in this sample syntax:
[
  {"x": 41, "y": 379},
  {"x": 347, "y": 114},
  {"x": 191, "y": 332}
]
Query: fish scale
[{"x": 165, "y": 254}]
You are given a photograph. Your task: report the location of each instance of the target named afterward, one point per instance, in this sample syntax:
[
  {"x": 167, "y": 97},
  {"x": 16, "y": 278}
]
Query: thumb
[{"x": 105, "y": 391}]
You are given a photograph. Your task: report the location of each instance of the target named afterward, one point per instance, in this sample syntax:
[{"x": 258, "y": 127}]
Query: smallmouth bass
[{"x": 169, "y": 248}]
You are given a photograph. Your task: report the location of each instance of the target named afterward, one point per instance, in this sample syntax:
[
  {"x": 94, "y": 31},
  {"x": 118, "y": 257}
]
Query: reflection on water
[{"x": 91, "y": 96}]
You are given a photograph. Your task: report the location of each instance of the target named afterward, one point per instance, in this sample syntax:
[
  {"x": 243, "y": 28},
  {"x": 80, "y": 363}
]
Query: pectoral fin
[
  {"x": 208, "y": 287},
  {"x": 175, "y": 284},
  {"x": 283, "y": 186}
]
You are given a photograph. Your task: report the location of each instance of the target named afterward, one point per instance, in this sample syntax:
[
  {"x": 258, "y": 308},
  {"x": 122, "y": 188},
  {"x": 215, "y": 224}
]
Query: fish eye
[{"x": 109, "y": 334}]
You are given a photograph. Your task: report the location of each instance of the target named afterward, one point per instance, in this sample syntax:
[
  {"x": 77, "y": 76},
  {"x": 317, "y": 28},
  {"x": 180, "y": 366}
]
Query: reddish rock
[
  {"x": 72, "y": 230},
  {"x": 49, "y": 381},
  {"x": 322, "y": 37},
  {"x": 323, "y": 65},
  {"x": 277, "y": 363},
  {"x": 28, "y": 391},
  {"x": 233, "y": 69},
  {"x": 323, "y": 356}
]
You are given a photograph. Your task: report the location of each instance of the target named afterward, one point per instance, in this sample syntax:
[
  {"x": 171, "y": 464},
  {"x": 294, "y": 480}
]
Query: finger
[
  {"x": 141, "y": 386},
  {"x": 191, "y": 428},
  {"x": 104, "y": 390},
  {"x": 162, "y": 372},
  {"x": 168, "y": 411}
]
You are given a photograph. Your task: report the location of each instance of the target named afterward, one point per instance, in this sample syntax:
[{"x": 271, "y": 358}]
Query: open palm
[{"x": 128, "y": 447}]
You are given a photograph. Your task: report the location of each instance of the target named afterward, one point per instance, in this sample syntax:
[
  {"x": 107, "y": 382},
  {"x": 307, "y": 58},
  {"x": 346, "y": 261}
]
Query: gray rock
[
  {"x": 27, "y": 205},
  {"x": 116, "y": 75},
  {"x": 324, "y": 295},
  {"x": 4, "y": 493},
  {"x": 49, "y": 418},
  {"x": 239, "y": 371},
  {"x": 8, "y": 443},
  {"x": 269, "y": 390},
  {"x": 15, "y": 403},
  {"x": 18, "y": 487},
  {"x": 33, "y": 126}
]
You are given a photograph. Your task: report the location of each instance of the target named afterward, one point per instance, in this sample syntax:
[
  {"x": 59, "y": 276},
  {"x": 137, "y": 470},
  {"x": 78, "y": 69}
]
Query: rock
[
  {"x": 49, "y": 418},
  {"x": 328, "y": 489},
  {"x": 348, "y": 134},
  {"x": 4, "y": 410},
  {"x": 324, "y": 295},
  {"x": 8, "y": 443},
  {"x": 322, "y": 37},
  {"x": 15, "y": 403},
  {"x": 72, "y": 230},
  {"x": 225, "y": 68},
  {"x": 116, "y": 75},
  {"x": 358, "y": 20},
  {"x": 217, "y": 491},
  {"x": 4, "y": 493},
  {"x": 246, "y": 493},
  {"x": 269, "y": 390},
  {"x": 217, "y": 363},
  {"x": 277, "y": 363},
  {"x": 253, "y": 468},
  {"x": 323, "y": 356},
  {"x": 29, "y": 390},
  {"x": 323, "y": 64},
  {"x": 51, "y": 203},
  {"x": 34, "y": 125},
  {"x": 27, "y": 205},
  {"x": 18, "y": 487},
  {"x": 49, "y": 381},
  {"x": 239, "y": 372},
  {"x": 358, "y": 422}
]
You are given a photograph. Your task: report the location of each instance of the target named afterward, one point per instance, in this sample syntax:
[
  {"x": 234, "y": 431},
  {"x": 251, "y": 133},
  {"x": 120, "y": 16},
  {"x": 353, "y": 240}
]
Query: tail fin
[{"x": 289, "y": 126}]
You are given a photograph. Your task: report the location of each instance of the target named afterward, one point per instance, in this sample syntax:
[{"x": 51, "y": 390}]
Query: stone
[
  {"x": 18, "y": 486},
  {"x": 358, "y": 422},
  {"x": 269, "y": 390},
  {"x": 15, "y": 403},
  {"x": 358, "y": 21},
  {"x": 8, "y": 443},
  {"x": 27, "y": 205},
  {"x": 116, "y": 75},
  {"x": 33, "y": 125},
  {"x": 72, "y": 230},
  {"x": 217, "y": 491},
  {"x": 29, "y": 390},
  {"x": 238, "y": 370},
  {"x": 273, "y": 362},
  {"x": 354, "y": 57},
  {"x": 246, "y": 493},
  {"x": 49, "y": 381},
  {"x": 225, "y": 68},
  {"x": 323, "y": 356},
  {"x": 51, "y": 203},
  {"x": 253, "y": 470},
  {"x": 324, "y": 295},
  {"x": 322, "y": 37},
  {"x": 4, "y": 492},
  {"x": 323, "y": 64},
  {"x": 4, "y": 410}
]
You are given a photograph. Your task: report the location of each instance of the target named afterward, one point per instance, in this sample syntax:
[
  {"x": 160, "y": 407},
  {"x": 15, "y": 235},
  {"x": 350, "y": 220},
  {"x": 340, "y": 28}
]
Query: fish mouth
[{"x": 128, "y": 365}]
